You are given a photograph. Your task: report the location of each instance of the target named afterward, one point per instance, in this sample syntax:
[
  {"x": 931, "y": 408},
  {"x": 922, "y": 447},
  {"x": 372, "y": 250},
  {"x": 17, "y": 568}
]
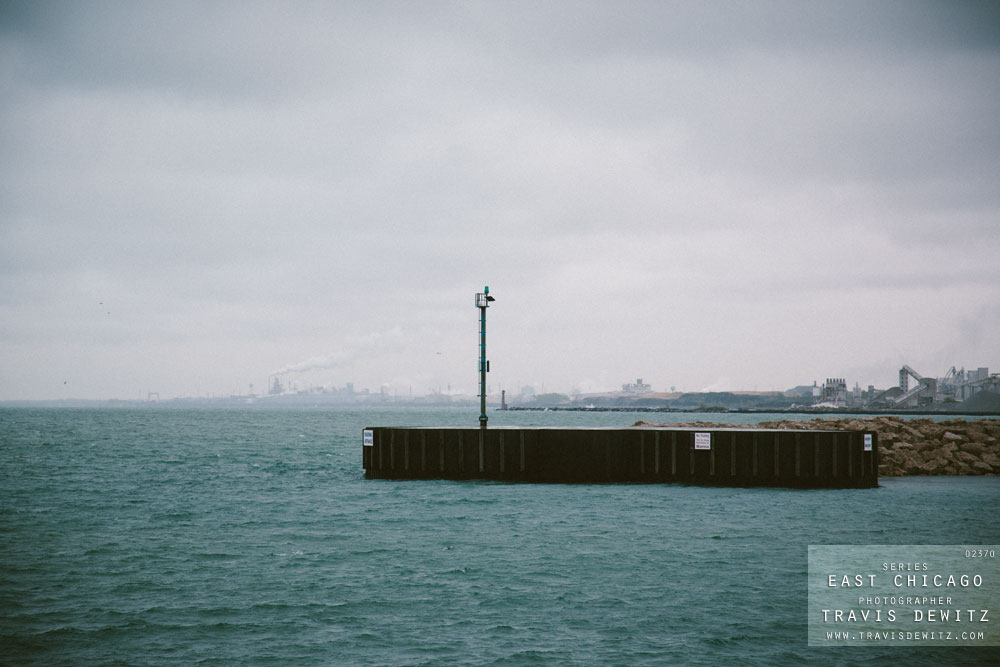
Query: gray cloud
[{"x": 695, "y": 193}]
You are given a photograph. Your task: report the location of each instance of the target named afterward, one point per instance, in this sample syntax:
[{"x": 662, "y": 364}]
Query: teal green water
[{"x": 230, "y": 537}]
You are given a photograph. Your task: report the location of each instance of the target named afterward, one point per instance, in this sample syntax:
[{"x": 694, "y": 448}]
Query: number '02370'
[{"x": 980, "y": 553}]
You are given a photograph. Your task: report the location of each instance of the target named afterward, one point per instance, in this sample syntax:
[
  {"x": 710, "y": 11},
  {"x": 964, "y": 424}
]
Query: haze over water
[{"x": 157, "y": 536}]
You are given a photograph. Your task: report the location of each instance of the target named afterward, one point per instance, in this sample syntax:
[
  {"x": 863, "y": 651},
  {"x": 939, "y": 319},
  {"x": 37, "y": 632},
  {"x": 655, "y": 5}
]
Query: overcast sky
[{"x": 706, "y": 195}]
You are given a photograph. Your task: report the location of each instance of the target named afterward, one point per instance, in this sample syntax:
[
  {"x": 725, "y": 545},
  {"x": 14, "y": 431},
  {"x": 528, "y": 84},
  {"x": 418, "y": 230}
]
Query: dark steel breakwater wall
[{"x": 724, "y": 457}]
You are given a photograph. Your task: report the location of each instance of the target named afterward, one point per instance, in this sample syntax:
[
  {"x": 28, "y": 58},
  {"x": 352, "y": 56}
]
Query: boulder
[
  {"x": 982, "y": 468},
  {"x": 935, "y": 467},
  {"x": 991, "y": 458},
  {"x": 931, "y": 454},
  {"x": 973, "y": 448},
  {"x": 966, "y": 457},
  {"x": 954, "y": 437},
  {"x": 911, "y": 464},
  {"x": 975, "y": 435}
]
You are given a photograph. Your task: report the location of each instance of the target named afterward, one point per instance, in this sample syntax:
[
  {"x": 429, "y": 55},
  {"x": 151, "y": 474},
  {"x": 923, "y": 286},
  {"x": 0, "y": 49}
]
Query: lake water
[{"x": 250, "y": 536}]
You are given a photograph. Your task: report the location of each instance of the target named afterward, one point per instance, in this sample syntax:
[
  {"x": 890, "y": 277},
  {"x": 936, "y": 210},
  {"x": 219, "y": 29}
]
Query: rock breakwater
[{"x": 907, "y": 446}]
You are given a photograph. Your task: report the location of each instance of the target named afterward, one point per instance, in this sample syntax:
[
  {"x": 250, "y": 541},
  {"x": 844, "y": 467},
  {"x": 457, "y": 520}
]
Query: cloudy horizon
[{"x": 709, "y": 196}]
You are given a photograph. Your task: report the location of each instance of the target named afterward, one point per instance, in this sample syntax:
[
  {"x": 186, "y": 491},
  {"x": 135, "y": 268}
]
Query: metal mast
[{"x": 482, "y": 303}]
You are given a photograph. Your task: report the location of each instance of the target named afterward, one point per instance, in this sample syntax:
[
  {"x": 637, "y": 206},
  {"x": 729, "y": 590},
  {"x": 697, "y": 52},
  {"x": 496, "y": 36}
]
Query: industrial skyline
[{"x": 953, "y": 387}]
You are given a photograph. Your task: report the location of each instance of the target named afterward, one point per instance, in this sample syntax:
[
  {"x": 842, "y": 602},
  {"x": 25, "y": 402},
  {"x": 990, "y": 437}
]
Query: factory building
[
  {"x": 833, "y": 394},
  {"x": 915, "y": 390},
  {"x": 639, "y": 387}
]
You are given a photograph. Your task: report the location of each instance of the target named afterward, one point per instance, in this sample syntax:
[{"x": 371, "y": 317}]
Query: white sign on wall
[
  {"x": 868, "y": 442},
  {"x": 702, "y": 440},
  {"x": 369, "y": 438}
]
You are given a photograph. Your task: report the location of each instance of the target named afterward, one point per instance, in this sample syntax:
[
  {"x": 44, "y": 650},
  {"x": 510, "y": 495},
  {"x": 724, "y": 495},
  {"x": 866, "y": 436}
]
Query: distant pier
[{"x": 706, "y": 456}]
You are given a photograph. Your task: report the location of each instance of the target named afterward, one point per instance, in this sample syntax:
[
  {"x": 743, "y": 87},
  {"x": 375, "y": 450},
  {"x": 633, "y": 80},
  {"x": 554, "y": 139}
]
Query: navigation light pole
[{"x": 482, "y": 303}]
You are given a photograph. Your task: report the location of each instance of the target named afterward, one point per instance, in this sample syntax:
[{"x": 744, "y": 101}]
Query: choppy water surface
[{"x": 163, "y": 536}]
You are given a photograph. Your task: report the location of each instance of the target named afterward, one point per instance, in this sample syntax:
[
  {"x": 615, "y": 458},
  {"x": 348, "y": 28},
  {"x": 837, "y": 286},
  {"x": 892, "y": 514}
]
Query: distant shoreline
[
  {"x": 769, "y": 411},
  {"x": 299, "y": 402}
]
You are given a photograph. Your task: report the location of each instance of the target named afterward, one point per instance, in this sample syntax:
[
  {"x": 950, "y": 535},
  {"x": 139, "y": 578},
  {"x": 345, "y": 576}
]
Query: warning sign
[{"x": 702, "y": 440}]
